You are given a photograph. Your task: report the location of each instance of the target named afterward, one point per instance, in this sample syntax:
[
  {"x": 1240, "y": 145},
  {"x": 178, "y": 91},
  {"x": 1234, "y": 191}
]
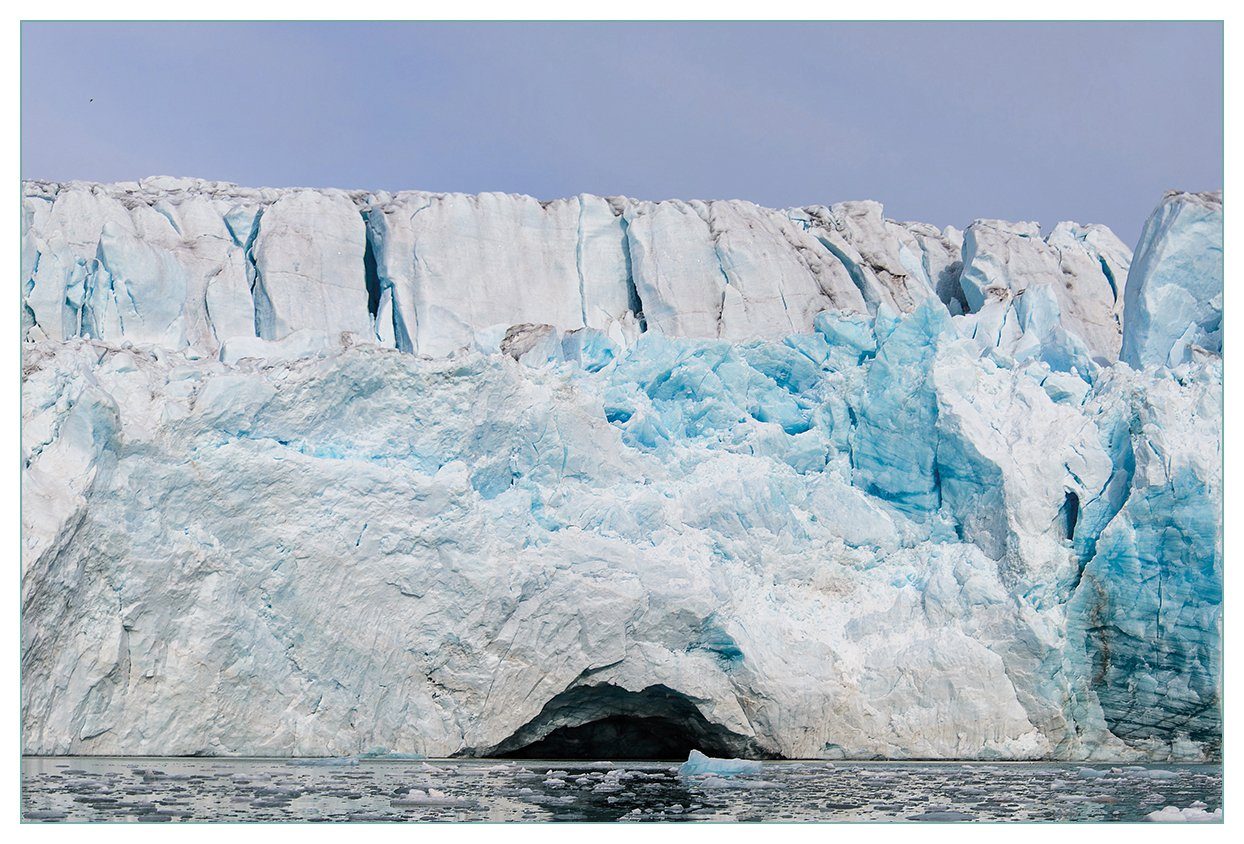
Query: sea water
[{"x": 69, "y": 789}]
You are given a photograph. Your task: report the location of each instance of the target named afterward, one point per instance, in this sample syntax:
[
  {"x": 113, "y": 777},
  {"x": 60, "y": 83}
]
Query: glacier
[{"x": 325, "y": 473}]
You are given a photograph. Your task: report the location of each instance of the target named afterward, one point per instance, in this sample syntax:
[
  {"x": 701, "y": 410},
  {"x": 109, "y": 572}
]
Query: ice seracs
[
  {"x": 184, "y": 262},
  {"x": 315, "y": 472},
  {"x": 456, "y": 265},
  {"x": 1039, "y": 296},
  {"x": 308, "y": 268},
  {"x": 1174, "y": 301}
]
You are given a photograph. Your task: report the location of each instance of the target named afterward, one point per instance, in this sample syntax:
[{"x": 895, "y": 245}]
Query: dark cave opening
[
  {"x": 612, "y": 737},
  {"x": 609, "y": 722}
]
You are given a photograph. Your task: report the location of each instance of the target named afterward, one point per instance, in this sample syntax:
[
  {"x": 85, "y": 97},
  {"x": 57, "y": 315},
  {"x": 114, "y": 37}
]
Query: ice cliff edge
[{"x": 318, "y": 472}]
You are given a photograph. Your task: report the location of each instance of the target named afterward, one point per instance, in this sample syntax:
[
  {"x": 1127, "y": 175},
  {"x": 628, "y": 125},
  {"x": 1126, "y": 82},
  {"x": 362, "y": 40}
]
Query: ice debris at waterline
[
  {"x": 323, "y": 473},
  {"x": 195, "y": 789}
]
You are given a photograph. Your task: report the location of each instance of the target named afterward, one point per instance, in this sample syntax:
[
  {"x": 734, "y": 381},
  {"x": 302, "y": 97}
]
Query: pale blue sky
[{"x": 942, "y": 122}]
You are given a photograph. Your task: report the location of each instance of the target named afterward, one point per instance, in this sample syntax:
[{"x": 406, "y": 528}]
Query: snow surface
[{"x": 325, "y": 473}]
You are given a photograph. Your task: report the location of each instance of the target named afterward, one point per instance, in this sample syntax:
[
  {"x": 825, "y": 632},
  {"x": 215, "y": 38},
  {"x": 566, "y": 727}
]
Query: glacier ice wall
[{"x": 326, "y": 472}]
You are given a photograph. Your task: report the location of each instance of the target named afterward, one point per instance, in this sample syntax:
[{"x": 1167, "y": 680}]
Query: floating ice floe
[
  {"x": 1192, "y": 814},
  {"x": 698, "y": 764},
  {"x": 432, "y": 797}
]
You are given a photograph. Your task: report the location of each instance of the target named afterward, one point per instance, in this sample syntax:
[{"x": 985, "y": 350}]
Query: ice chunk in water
[
  {"x": 698, "y": 764},
  {"x": 1193, "y": 814},
  {"x": 431, "y": 797}
]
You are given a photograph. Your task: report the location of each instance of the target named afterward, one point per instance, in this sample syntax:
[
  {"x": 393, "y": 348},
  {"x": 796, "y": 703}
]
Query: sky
[{"x": 941, "y": 122}]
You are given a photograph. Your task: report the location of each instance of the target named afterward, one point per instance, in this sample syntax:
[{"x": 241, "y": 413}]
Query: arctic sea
[{"x": 69, "y": 789}]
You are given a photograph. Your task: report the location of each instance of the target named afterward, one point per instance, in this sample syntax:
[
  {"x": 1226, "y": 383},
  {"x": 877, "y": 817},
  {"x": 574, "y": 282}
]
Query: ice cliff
[{"x": 325, "y": 473}]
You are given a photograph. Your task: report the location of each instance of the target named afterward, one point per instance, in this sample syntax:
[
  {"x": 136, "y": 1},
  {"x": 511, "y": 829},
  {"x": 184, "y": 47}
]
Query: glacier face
[{"x": 326, "y": 472}]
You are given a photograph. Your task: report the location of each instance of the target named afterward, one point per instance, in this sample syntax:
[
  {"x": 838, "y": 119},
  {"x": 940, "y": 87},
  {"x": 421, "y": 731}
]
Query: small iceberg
[
  {"x": 698, "y": 764},
  {"x": 1193, "y": 814},
  {"x": 1092, "y": 773},
  {"x": 432, "y": 797}
]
